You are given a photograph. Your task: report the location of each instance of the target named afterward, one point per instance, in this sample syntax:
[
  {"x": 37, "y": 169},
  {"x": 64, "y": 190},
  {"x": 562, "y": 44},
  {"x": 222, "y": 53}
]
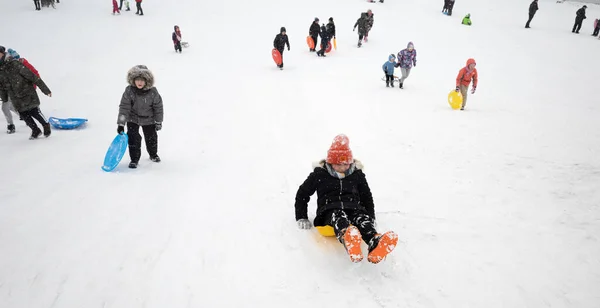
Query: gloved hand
[
  {"x": 304, "y": 223},
  {"x": 353, "y": 29},
  {"x": 158, "y": 126},
  {"x": 457, "y": 89},
  {"x": 120, "y": 129},
  {"x": 473, "y": 90}
]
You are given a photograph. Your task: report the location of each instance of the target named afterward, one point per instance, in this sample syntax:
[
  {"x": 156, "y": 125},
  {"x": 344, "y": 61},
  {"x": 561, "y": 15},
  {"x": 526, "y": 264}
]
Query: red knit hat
[{"x": 339, "y": 152}]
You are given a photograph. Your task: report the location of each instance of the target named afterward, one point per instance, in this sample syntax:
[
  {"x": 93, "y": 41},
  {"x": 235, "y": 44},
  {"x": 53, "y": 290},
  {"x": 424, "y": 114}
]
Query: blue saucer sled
[
  {"x": 115, "y": 152},
  {"x": 70, "y": 123}
]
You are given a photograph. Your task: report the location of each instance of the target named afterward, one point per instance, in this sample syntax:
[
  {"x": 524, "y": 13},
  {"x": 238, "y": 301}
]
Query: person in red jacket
[
  {"x": 15, "y": 55},
  {"x": 177, "y": 39},
  {"x": 463, "y": 80},
  {"x": 115, "y": 7},
  {"x": 138, "y": 4}
]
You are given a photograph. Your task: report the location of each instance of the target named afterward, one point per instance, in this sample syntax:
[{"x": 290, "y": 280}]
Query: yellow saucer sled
[
  {"x": 455, "y": 99},
  {"x": 326, "y": 230}
]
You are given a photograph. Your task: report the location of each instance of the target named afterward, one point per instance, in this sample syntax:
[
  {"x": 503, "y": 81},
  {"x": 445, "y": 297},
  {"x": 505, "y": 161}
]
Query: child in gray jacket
[{"x": 141, "y": 105}]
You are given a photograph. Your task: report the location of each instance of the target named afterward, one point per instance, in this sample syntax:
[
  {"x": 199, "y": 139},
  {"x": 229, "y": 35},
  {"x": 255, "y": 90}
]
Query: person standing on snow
[
  {"x": 596, "y": 27},
  {"x": 177, "y": 39},
  {"x": 344, "y": 201},
  {"x": 533, "y": 7},
  {"x": 463, "y": 80},
  {"x": 279, "y": 43},
  {"x": 580, "y": 16},
  {"x": 388, "y": 70},
  {"x": 331, "y": 28},
  {"x": 313, "y": 32},
  {"x": 141, "y": 105},
  {"x": 324, "y": 41},
  {"x": 370, "y": 20},
  {"x": 116, "y": 9},
  {"x": 138, "y": 4},
  {"x": 17, "y": 82},
  {"x": 407, "y": 58},
  {"x": 361, "y": 23}
]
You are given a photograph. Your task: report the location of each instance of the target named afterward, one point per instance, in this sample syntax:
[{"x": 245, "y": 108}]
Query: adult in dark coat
[
  {"x": 279, "y": 43},
  {"x": 313, "y": 32},
  {"x": 17, "y": 83},
  {"x": 580, "y": 16},
  {"x": 331, "y": 28},
  {"x": 533, "y": 7}
]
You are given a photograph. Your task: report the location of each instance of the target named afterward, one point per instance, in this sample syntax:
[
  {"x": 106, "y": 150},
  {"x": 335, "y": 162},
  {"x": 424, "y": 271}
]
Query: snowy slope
[{"x": 496, "y": 206}]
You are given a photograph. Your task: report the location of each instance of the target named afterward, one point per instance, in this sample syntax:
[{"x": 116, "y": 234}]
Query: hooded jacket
[
  {"x": 17, "y": 83},
  {"x": 388, "y": 66},
  {"x": 465, "y": 75},
  {"x": 362, "y": 24},
  {"x": 407, "y": 58},
  {"x": 141, "y": 106}
]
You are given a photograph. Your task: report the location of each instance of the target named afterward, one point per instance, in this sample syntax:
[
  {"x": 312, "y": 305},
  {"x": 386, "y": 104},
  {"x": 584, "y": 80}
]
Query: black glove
[
  {"x": 158, "y": 126},
  {"x": 120, "y": 129}
]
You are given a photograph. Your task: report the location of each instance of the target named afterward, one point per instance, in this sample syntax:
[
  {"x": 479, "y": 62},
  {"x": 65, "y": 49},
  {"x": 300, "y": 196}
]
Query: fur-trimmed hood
[
  {"x": 140, "y": 71},
  {"x": 357, "y": 163}
]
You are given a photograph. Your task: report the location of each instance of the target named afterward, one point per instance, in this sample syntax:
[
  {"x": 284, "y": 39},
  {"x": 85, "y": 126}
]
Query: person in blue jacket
[{"x": 388, "y": 69}]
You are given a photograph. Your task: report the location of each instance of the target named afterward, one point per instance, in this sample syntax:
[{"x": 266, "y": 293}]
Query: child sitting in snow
[
  {"x": 467, "y": 20},
  {"x": 388, "y": 69},
  {"x": 177, "y": 39},
  {"x": 344, "y": 201}
]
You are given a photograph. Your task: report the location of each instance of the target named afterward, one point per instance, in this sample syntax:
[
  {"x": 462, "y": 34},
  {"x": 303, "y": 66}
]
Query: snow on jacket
[
  {"x": 465, "y": 75},
  {"x": 351, "y": 192},
  {"x": 388, "y": 66},
  {"x": 362, "y": 24},
  {"x": 17, "y": 83},
  {"x": 407, "y": 58},
  {"x": 141, "y": 106}
]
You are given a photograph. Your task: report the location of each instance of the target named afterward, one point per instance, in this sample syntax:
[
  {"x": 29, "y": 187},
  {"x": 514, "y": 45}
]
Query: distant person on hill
[
  {"x": 325, "y": 37},
  {"x": 579, "y": 17},
  {"x": 115, "y": 8},
  {"x": 177, "y": 38},
  {"x": 596, "y": 27},
  {"x": 38, "y": 7},
  {"x": 313, "y": 32},
  {"x": 370, "y": 20},
  {"x": 141, "y": 105},
  {"x": 138, "y": 4},
  {"x": 467, "y": 20},
  {"x": 388, "y": 70},
  {"x": 533, "y": 7},
  {"x": 361, "y": 23},
  {"x": 279, "y": 43},
  {"x": 407, "y": 58},
  {"x": 331, "y": 28},
  {"x": 463, "y": 80}
]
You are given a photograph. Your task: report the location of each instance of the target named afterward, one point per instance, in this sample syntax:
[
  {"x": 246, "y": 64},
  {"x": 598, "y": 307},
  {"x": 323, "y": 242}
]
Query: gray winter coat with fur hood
[{"x": 141, "y": 106}]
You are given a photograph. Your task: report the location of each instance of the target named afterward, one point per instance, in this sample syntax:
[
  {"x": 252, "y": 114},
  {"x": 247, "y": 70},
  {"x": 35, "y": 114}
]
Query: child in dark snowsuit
[
  {"x": 362, "y": 24},
  {"x": 141, "y": 105},
  {"x": 313, "y": 32},
  {"x": 324, "y": 41},
  {"x": 279, "y": 43},
  {"x": 344, "y": 201},
  {"x": 388, "y": 70},
  {"x": 177, "y": 39}
]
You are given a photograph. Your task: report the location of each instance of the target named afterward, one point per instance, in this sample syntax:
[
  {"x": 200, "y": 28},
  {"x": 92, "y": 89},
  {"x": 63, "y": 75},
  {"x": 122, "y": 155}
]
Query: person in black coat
[
  {"x": 580, "y": 16},
  {"x": 331, "y": 28},
  {"x": 313, "y": 32},
  {"x": 344, "y": 201},
  {"x": 324, "y": 41},
  {"x": 281, "y": 40},
  {"x": 533, "y": 7}
]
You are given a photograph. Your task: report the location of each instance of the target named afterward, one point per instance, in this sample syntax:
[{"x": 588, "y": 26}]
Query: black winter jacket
[
  {"x": 325, "y": 37},
  {"x": 314, "y": 29},
  {"x": 362, "y": 24},
  {"x": 350, "y": 193},
  {"x": 533, "y": 7},
  {"x": 581, "y": 14},
  {"x": 16, "y": 83},
  {"x": 331, "y": 29},
  {"x": 280, "y": 41}
]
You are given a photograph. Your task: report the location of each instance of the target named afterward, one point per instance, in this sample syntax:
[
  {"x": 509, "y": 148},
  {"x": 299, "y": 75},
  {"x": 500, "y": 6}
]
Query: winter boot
[
  {"x": 133, "y": 164},
  {"x": 359, "y": 43},
  {"x": 381, "y": 245},
  {"x": 35, "y": 134},
  {"x": 155, "y": 159},
  {"x": 47, "y": 130},
  {"x": 401, "y": 86},
  {"x": 387, "y": 84},
  {"x": 10, "y": 129},
  {"x": 352, "y": 240},
  {"x": 392, "y": 83}
]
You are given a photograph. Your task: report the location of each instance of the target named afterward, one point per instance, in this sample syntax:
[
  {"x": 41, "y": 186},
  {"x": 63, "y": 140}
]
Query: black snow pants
[
  {"x": 314, "y": 38},
  {"x": 135, "y": 140},
  {"x": 37, "y": 5},
  {"x": 389, "y": 79},
  {"x": 178, "y": 46},
  {"x": 342, "y": 219},
  {"x": 35, "y": 113},
  {"x": 281, "y": 52},
  {"x": 324, "y": 44},
  {"x": 529, "y": 20},
  {"x": 596, "y": 30},
  {"x": 577, "y": 25},
  {"x": 139, "y": 8}
]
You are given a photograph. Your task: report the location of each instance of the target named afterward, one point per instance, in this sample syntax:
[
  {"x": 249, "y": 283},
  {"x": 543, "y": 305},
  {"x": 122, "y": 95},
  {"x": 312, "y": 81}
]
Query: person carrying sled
[
  {"x": 463, "y": 80},
  {"x": 313, "y": 32},
  {"x": 344, "y": 201},
  {"x": 467, "y": 20},
  {"x": 580, "y": 16},
  {"x": 388, "y": 70},
  {"x": 279, "y": 43},
  {"x": 141, "y": 105},
  {"x": 176, "y": 38},
  {"x": 17, "y": 82},
  {"x": 116, "y": 9},
  {"x": 361, "y": 23},
  {"x": 407, "y": 58},
  {"x": 533, "y": 7},
  {"x": 324, "y": 41}
]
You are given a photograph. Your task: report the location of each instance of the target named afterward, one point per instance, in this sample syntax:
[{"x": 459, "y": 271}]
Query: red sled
[
  {"x": 310, "y": 42},
  {"x": 276, "y": 56},
  {"x": 328, "y": 47}
]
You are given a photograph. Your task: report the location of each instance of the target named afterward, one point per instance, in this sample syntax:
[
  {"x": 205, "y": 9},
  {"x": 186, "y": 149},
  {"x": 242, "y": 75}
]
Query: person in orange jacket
[{"x": 465, "y": 75}]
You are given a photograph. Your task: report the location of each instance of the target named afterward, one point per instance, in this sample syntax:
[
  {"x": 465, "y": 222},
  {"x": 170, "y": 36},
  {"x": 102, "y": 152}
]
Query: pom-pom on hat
[{"x": 339, "y": 152}]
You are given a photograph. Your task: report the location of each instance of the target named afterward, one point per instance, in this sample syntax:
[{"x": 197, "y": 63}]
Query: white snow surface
[{"x": 495, "y": 206}]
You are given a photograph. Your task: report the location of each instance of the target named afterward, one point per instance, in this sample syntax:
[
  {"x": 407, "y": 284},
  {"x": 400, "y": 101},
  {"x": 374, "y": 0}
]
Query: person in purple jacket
[{"x": 407, "y": 58}]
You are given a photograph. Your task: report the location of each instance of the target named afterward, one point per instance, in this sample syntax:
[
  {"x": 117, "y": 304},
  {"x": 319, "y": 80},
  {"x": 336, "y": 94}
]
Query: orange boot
[
  {"x": 381, "y": 246},
  {"x": 352, "y": 240}
]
